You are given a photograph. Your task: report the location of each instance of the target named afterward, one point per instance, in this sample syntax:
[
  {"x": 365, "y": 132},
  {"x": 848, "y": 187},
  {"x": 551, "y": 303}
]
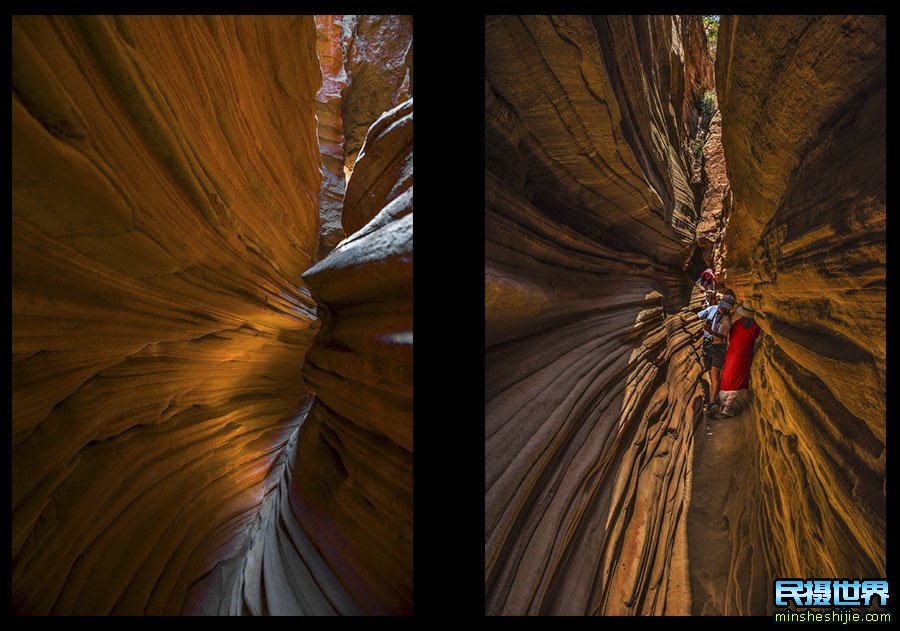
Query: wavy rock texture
[
  {"x": 357, "y": 490},
  {"x": 716, "y": 203},
  {"x": 331, "y": 130},
  {"x": 592, "y": 376},
  {"x": 165, "y": 181},
  {"x": 803, "y": 118},
  {"x": 378, "y": 61}
]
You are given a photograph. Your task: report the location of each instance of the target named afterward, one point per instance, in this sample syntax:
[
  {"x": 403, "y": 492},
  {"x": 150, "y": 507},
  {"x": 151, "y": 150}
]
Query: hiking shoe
[
  {"x": 712, "y": 410},
  {"x": 725, "y": 413}
]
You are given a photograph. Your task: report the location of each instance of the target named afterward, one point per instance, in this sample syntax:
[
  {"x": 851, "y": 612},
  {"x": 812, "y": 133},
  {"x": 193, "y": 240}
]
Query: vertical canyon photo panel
[
  {"x": 212, "y": 337},
  {"x": 628, "y": 161}
]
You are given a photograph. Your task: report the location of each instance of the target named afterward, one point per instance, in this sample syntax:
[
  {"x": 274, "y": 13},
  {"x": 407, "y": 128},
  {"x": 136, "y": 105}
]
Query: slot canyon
[
  {"x": 623, "y": 155},
  {"x": 212, "y": 227}
]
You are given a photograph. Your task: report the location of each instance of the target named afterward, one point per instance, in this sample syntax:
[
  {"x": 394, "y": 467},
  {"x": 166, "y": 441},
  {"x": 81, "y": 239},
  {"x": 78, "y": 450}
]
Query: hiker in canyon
[
  {"x": 624, "y": 155},
  {"x": 736, "y": 370},
  {"x": 717, "y": 324},
  {"x": 707, "y": 280}
]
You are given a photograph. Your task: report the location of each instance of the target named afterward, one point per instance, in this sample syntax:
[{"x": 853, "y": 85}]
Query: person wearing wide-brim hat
[
  {"x": 717, "y": 323},
  {"x": 745, "y": 311},
  {"x": 738, "y": 358},
  {"x": 707, "y": 280}
]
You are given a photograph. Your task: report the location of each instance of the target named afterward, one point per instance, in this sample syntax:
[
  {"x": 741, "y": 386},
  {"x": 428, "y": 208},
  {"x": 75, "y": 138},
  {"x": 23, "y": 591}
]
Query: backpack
[{"x": 715, "y": 323}]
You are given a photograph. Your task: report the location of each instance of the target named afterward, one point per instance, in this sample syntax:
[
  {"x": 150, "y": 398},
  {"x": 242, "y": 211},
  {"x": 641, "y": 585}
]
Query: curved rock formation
[
  {"x": 384, "y": 168},
  {"x": 803, "y": 118},
  {"x": 165, "y": 180},
  {"x": 357, "y": 490},
  {"x": 592, "y": 380}
]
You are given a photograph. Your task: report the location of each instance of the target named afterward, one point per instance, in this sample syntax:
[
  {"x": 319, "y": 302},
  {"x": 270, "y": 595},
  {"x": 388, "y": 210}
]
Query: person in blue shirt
[{"x": 717, "y": 324}]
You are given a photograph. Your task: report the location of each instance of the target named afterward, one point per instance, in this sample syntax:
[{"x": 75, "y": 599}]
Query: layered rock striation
[
  {"x": 803, "y": 121},
  {"x": 166, "y": 174},
  {"x": 592, "y": 380},
  {"x": 592, "y": 376}
]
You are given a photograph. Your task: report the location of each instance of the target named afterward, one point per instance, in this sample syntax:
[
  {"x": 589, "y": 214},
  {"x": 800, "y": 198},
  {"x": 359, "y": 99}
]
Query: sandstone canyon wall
[
  {"x": 378, "y": 56},
  {"x": 593, "y": 382},
  {"x": 331, "y": 130},
  {"x": 166, "y": 175},
  {"x": 803, "y": 127},
  {"x": 356, "y": 490},
  {"x": 367, "y": 70},
  {"x": 715, "y": 205}
]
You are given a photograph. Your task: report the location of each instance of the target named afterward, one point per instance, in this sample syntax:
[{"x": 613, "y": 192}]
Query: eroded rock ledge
[{"x": 592, "y": 380}]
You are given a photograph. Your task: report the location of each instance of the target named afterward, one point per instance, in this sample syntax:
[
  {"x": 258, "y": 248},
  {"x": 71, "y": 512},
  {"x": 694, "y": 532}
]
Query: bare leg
[
  {"x": 714, "y": 374},
  {"x": 729, "y": 401}
]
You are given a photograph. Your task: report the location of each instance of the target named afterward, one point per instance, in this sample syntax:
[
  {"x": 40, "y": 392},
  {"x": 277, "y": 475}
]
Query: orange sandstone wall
[
  {"x": 166, "y": 175},
  {"x": 803, "y": 128}
]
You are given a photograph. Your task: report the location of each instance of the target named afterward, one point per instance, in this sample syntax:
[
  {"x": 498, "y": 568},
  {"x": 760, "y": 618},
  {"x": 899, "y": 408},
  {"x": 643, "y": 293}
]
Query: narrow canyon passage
[
  {"x": 212, "y": 352},
  {"x": 624, "y": 154},
  {"x": 720, "y": 464}
]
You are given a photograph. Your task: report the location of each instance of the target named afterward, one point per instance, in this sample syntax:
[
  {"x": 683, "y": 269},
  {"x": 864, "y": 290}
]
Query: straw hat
[{"x": 745, "y": 310}]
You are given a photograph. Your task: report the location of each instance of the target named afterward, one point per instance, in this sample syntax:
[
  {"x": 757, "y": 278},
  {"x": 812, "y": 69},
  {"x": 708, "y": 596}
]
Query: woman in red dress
[{"x": 736, "y": 370}]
